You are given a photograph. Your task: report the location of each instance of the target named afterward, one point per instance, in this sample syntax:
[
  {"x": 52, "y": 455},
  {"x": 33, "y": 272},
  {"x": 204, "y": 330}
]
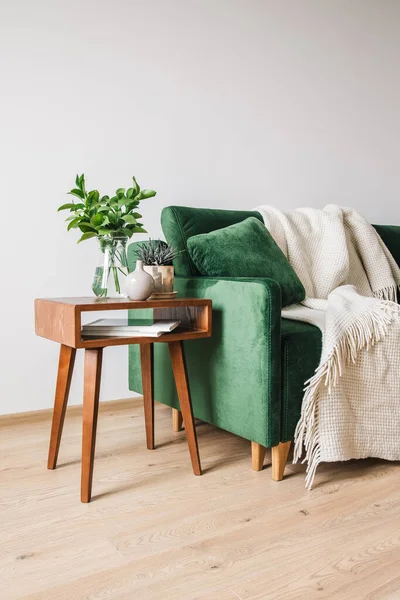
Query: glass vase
[{"x": 112, "y": 267}]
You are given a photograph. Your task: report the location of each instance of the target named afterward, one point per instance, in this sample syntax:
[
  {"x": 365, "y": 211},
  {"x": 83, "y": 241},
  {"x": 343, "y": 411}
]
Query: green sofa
[{"x": 248, "y": 378}]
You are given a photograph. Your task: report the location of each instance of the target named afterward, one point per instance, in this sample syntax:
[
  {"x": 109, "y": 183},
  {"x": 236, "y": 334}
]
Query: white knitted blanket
[{"x": 351, "y": 406}]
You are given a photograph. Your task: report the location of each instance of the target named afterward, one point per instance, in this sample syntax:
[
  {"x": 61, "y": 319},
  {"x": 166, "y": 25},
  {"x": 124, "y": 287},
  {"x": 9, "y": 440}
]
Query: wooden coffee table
[{"x": 59, "y": 319}]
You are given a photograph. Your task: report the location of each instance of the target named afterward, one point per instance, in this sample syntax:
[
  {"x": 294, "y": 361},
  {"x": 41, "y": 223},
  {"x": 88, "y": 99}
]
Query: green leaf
[
  {"x": 130, "y": 192},
  {"x": 137, "y": 215},
  {"x": 65, "y": 207},
  {"x": 86, "y": 236},
  {"x": 138, "y": 229},
  {"x": 104, "y": 231},
  {"x": 78, "y": 206},
  {"x": 93, "y": 196},
  {"x": 73, "y": 224},
  {"x": 131, "y": 205},
  {"x": 82, "y": 184},
  {"x": 86, "y": 226},
  {"x": 96, "y": 220},
  {"x": 77, "y": 181},
  {"x": 147, "y": 194},
  {"x": 76, "y": 192},
  {"x": 129, "y": 219},
  {"x": 136, "y": 186}
]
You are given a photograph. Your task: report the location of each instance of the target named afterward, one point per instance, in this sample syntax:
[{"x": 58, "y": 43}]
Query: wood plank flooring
[{"x": 154, "y": 531}]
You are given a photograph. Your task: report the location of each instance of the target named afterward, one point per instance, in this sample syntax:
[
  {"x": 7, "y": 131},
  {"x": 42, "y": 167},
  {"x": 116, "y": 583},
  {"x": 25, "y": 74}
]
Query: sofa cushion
[
  {"x": 245, "y": 249},
  {"x": 181, "y": 222}
]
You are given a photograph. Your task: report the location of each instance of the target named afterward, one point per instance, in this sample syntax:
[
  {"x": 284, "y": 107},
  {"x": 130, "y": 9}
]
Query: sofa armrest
[
  {"x": 234, "y": 375},
  {"x": 246, "y": 352}
]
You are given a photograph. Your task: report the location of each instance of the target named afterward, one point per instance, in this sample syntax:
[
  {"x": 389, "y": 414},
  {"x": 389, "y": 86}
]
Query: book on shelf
[{"x": 128, "y": 327}]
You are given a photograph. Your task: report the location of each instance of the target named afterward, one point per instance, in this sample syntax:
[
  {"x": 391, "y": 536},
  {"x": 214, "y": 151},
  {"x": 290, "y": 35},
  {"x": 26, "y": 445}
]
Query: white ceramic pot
[
  {"x": 139, "y": 285},
  {"x": 163, "y": 278}
]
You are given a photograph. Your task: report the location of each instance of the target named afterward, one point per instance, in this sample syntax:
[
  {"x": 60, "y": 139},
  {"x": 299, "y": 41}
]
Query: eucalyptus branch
[{"x": 96, "y": 215}]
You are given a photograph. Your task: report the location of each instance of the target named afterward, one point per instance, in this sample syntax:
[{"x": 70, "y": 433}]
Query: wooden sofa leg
[
  {"x": 257, "y": 456},
  {"x": 279, "y": 456},
  {"x": 176, "y": 420}
]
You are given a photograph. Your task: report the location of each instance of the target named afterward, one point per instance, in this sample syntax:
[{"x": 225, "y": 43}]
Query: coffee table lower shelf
[{"x": 178, "y": 334}]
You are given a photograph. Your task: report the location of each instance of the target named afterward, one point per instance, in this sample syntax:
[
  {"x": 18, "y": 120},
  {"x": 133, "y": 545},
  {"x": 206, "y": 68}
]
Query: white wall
[{"x": 224, "y": 103}]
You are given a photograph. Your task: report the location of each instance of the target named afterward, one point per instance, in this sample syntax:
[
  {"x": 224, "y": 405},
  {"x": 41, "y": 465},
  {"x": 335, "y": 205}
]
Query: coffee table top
[{"x": 91, "y": 303}]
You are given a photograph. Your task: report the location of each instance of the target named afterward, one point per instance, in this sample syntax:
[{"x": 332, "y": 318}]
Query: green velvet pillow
[{"x": 245, "y": 249}]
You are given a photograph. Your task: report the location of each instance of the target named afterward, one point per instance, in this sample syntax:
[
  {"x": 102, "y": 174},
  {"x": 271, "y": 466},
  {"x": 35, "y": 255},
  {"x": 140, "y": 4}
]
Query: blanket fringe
[
  {"x": 387, "y": 293},
  {"x": 369, "y": 327}
]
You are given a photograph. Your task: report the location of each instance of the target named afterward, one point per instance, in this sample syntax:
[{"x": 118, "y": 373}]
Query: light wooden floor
[{"x": 155, "y": 531}]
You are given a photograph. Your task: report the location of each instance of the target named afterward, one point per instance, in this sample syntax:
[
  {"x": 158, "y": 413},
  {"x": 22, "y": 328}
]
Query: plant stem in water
[{"x": 116, "y": 280}]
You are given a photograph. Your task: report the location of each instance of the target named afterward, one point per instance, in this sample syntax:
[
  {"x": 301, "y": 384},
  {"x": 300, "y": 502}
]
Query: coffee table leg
[
  {"x": 91, "y": 391},
  {"x": 65, "y": 369},
  {"x": 147, "y": 363},
  {"x": 182, "y": 387}
]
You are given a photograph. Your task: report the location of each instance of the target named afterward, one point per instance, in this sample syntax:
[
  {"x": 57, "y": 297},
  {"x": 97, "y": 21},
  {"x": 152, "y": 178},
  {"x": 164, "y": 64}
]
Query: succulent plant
[{"x": 156, "y": 252}]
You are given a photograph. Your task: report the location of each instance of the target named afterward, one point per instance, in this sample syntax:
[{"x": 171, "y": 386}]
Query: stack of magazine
[{"x": 128, "y": 328}]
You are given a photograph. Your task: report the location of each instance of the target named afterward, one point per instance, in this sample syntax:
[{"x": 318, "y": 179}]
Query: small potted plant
[
  {"x": 112, "y": 220},
  {"x": 157, "y": 257}
]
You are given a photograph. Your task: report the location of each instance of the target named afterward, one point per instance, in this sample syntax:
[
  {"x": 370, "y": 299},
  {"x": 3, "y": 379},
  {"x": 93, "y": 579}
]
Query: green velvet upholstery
[
  {"x": 234, "y": 376},
  {"x": 248, "y": 378},
  {"x": 245, "y": 249},
  {"x": 235, "y": 402},
  {"x": 390, "y": 234},
  {"x": 301, "y": 345}
]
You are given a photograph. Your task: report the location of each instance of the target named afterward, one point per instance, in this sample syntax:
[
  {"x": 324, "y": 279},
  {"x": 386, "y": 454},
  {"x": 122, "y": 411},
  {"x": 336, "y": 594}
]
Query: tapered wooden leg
[
  {"x": 177, "y": 420},
  {"x": 65, "y": 369},
  {"x": 147, "y": 362},
  {"x": 257, "y": 456},
  {"x": 180, "y": 375},
  {"x": 279, "y": 458},
  {"x": 93, "y": 360}
]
